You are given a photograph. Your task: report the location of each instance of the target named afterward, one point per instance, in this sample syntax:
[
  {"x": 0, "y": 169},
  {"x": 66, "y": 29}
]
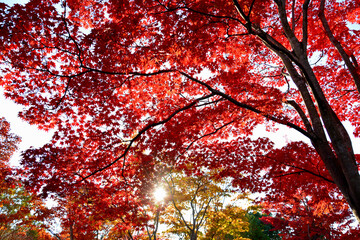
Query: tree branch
[
  {"x": 199, "y": 12},
  {"x": 301, "y": 113},
  {"x": 144, "y": 130},
  {"x": 351, "y": 67},
  {"x": 305, "y": 24},
  {"x": 310, "y": 172},
  {"x": 209, "y": 134},
  {"x": 248, "y": 107},
  {"x": 293, "y": 15},
  {"x": 290, "y": 34},
  {"x": 175, "y": 206}
]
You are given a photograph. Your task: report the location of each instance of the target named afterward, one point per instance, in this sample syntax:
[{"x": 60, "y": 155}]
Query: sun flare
[{"x": 159, "y": 194}]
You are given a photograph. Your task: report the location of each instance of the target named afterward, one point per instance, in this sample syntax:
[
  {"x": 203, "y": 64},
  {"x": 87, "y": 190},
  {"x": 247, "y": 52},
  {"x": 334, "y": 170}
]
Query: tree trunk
[
  {"x": 193, "y": 235},
  {"x": 337, "y": 155},
  {"x": 71, "y": 232}
]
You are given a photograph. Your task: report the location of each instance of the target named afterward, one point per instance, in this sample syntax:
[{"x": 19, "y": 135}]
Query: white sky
[
  {"x": 11, "y": 2},
  {"x": 30, "y": 135}
]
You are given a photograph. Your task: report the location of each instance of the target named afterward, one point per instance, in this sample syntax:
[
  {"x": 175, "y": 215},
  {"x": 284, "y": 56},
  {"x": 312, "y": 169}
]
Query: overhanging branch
[
  {"x": 247, "y": 107},
  {"x": 144, "y": 130}
]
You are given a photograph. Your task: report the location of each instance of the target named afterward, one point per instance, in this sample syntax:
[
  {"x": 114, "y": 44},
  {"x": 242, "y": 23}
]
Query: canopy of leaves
[{"x": 123, "y": 82}]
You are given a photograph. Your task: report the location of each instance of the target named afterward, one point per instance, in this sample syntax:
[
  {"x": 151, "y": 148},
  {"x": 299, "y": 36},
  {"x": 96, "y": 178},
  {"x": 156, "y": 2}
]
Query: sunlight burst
[{"x": 159, "y": 194}]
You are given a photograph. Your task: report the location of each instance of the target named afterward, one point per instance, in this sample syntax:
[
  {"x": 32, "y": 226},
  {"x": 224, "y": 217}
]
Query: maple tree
[
  {"x": 309, "y": 208},
  {"x": 90, "y": 213},
  {"x": 80, "y": 218},
  {"x": 188, "y": 78}
]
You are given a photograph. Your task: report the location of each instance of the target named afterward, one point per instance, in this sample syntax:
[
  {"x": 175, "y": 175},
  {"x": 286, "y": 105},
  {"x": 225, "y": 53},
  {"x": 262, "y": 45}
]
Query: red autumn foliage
[{"x": 124, "y": 82}]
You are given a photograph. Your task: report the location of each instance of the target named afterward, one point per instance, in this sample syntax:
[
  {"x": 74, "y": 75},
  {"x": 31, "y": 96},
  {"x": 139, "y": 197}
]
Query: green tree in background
[{"x": 258, "y": 230}]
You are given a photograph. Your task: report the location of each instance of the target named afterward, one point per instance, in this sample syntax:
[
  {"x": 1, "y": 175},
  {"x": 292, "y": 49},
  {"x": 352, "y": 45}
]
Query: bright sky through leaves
[{"x": 160, "y": 194}]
